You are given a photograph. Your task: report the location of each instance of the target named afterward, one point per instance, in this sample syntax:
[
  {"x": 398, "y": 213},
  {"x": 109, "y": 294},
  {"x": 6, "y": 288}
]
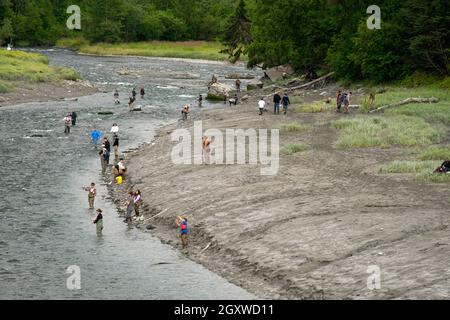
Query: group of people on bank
[{"x": 278, "y": 102}]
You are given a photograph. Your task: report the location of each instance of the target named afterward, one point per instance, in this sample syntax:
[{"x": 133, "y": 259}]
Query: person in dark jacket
[
  {"x": 99, "y": 222},
  {"x": 276, "y": 101},
  {"x": 74, "y": 118},
  {"x": 116, "y": 146},
  {"x": 285, "y": 102}
]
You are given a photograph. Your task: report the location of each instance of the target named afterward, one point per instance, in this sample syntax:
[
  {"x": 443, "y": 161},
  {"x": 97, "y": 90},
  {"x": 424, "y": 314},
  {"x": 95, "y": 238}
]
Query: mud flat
[
  {"x": 312, "y": 231},
  {"x": 44, "y": 92}
]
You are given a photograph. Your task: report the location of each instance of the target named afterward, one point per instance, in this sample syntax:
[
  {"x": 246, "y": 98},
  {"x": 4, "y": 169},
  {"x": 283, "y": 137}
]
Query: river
[{"x": 45, "y": 225}]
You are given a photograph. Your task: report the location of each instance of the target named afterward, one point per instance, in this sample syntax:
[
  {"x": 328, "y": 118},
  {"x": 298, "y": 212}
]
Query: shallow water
[{"x": 45, "y": 225}]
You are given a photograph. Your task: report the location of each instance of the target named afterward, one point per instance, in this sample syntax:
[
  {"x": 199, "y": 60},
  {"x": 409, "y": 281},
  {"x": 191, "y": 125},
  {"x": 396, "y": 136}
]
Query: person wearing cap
[
  {"x": 104, "y": 155},
  {"x": 99, "y": 222},
  {"x": 91, "y": 195}
]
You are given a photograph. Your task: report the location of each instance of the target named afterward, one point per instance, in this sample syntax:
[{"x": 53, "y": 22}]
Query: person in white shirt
[
  {"x": 67, "y": 123},
  {"x": 115, "y": 128},
  {"x": 262, "y": 106}
]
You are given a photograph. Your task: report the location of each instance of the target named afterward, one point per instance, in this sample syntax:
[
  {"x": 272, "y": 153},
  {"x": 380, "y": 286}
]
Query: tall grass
[
  {"x": 316, "y": 107},
  {"x": 435, "y": 153},
  {"x": 294, "y": 127},
  {"x": 422, "y": 170},
  {"x": 294, "y": 148},
  {"x": 19, "y": 66},
  {"x": 379, "y": 131},
  {"x": 190, "y": 50}
]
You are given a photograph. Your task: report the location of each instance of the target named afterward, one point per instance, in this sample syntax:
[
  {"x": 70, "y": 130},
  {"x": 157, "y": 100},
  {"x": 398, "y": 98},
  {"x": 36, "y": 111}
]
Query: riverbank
[
  {"x": 199, "y": 50},
  {"x": 28, "y": 77},
  {"x": 44, "y": 92},
  {"x": 313, "y": 230}
]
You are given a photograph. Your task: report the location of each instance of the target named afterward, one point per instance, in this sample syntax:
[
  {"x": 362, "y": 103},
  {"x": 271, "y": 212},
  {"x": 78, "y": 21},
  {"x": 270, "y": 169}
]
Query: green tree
[
  {"x": 6, "y": 32},
  {"x": 237, "y": 36}
]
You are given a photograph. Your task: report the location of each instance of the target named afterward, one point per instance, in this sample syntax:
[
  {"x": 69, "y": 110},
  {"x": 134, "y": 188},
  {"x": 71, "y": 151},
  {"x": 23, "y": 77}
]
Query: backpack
[{"x": 343, "y": 98}]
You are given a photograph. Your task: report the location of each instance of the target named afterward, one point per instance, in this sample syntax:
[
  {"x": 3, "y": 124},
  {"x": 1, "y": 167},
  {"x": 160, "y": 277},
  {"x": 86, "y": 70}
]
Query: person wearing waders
[
  {"x": 108, "y": 148},
  {"x": 130, "y": 209},
  {"x": 116, "y": 146},
  {"x": 104, "y": 156},
  {"x": 74, "y": 119},
  {"x": 142, "y": 93},
  {"x": 99, "y": 222},
  {"x": 67, "y": 123},
  {"x": 91, "y": 195},
  {"x": 184, "y": 232},
  {"x": 116, "y": 97}
]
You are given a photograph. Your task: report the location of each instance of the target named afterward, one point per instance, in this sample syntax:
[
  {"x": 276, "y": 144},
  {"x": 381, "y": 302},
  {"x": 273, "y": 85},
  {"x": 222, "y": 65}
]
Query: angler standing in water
[
  {"x": 142, "y": 93},
  {"x": 108, "y": 148},
  {"x": 91, "y": 195},
  {"x": 116, "y": 97},
  {"x": 116, "y": 146},
  {"x": 99, "y": 222},
  {"x": 74, "y": 118},
  {"x": 130, "y": 209},
  {"x": 67, "y": 123}
]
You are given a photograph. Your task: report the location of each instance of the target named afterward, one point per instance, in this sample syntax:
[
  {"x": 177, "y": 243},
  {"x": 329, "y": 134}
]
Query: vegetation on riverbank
[
  {"x": 18, "y": 67},
  {"x": 188, "y": 49}
]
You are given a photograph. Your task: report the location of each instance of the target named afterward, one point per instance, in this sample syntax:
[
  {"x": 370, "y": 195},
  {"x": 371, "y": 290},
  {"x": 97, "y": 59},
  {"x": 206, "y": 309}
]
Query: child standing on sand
[{"x": 184, "y": 232}]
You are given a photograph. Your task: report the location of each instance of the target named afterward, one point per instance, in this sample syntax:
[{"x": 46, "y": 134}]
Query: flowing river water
[{"x": 45, "y": 225}]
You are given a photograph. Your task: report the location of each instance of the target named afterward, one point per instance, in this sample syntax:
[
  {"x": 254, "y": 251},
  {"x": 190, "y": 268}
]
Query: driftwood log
[
  {"x": 406, "y": 101},
  {"x": 322, "y": 81}
]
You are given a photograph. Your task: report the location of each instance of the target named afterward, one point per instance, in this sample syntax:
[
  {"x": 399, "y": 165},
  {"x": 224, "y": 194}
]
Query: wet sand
[
  {"x": 44, "y": 92},
  {"x": 311, "y": 231}
]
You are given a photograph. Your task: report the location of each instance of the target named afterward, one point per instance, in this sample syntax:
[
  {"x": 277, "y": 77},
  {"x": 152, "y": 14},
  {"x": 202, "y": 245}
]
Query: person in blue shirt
[
  {"x": 286, "y": 102},
  {"x": 184, "y": 232}
]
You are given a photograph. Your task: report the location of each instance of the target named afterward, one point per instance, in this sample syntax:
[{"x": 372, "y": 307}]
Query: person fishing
[
  {"x": 104, "y": 155},
  {"x": 67, "y": 123},
  {"x": 238, "y": 85},
  {"x": 108, "y": 148},
  {"x": 116, "y": 146},
  {"x": 200, "y": 101},
  {"x": 92, "y": 193},
  {"x": 133, "y": 93},
  {"x": 130, "y": 209},
  {"x": 185, "y": 112},
  {"x": 137, "y": 202},
  {"x": 74, "y": 118},
  {"x": 115, "y": 128},
  {"x": 99, "y": 222},
  {"x": 131, "y": 103},
  {"x": 116, "y": 97},
  {"x": 142, "y": 93}
]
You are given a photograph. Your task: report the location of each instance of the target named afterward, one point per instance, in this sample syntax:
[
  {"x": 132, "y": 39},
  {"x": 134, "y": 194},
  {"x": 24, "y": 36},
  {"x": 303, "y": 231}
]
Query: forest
[{"x": 413, "y": 39}]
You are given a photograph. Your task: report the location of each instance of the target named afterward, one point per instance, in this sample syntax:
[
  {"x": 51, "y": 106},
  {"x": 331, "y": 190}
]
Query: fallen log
[
  {"x": 303, "y": 86},
  {"x": 406, "y": 101}
]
